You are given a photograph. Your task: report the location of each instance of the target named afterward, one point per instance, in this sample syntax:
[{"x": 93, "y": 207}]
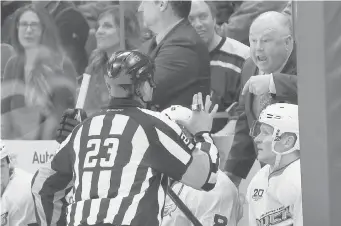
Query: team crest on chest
[
  {"x": 170, "y": 206},
  {"x": 257, "y": 194}
]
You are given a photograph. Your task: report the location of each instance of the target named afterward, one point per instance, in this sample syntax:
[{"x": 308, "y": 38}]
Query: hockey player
[
  {"x": 218, "y": 207},
  {"x": 118, "y": 160},
  {"x": 274, "y": 194},
  {"x": 17, "y": 207}
]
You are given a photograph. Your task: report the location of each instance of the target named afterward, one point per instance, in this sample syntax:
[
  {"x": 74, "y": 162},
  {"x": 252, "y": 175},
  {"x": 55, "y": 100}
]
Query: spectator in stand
[
  {"x": 225, "y": 9},
  {"x": 108, "y": 42},
  {"x": 91, "y": 12},
  {"x": 227, "y": 58},
  {"x": 39, "y": 81},
  {"x": 269, "y": 76},
  {"x": 7, "y": 10},
  {"x": 73, "y": 30},
  {"x": 181, "y": 58}
]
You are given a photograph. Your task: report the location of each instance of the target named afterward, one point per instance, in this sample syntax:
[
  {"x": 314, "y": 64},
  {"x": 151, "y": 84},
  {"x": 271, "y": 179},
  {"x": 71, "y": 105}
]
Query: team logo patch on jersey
[
  {"x": 257, "y": 194},
  {"x": 281, "y": 217},
  {"x": 4, "y": 219},
  {"x": 170, "y": 206}
]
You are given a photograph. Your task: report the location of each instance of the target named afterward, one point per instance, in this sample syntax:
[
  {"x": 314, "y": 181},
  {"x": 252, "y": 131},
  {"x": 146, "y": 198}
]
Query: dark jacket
[
  {"x": 242, "y": 154},
  {"x": 182, "y": 66}
]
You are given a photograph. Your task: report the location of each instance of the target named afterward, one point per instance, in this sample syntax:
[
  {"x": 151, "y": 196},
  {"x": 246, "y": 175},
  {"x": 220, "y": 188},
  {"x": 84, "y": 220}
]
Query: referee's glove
[{"x": 70, "y": 119}]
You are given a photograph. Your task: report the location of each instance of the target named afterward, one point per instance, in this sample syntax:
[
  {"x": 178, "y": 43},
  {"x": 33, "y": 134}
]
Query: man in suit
[
  {"x": 269, "y": 76},
  {"x": 182, "y": 65}
]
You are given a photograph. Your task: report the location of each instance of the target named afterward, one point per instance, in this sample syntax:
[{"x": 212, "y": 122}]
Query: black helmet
[{"x": 131, "y": 67}]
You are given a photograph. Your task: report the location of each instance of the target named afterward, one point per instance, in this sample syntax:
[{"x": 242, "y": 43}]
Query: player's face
[
  {"x": 29, "y": 30},
  {"x": 263, "y": 143},
  {"x": 4, "y": 175},
  {"x": 107, "y": 33},
  {"x": 202, "y": 20}
]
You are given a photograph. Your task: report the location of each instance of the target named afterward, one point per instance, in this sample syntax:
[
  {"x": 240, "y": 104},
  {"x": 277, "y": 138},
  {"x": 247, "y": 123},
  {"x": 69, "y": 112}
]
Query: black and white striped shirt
[{"x": 116, "y": 164}]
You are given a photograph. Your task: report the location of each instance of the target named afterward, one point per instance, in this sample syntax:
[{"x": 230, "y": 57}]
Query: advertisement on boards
[{"x": 29, "y": 155}]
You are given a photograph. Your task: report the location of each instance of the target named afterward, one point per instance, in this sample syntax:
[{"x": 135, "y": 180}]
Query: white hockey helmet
[
  {"x": 178, "y": 113},
  {"x": 282, "y": 118}
]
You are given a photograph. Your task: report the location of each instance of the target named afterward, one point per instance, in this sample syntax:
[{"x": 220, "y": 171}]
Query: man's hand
[
  {"x": 258, "y": 84},
  {"x": 201, "y": 119},
  {"x": 70, "y": 119}
]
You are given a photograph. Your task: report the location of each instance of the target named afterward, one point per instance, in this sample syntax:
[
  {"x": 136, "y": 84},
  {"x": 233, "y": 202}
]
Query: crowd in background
[
  {"x": 215, "y": 48},
  {"x": 47, "y": 46}
]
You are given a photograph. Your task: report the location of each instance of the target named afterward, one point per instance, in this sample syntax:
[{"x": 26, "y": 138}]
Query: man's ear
[
  {"x": 140, "y": 90},
  {"x": 289, "y": 141},
  {"x": 288, "y": 41},
  {"x": 144, "y": 88}
]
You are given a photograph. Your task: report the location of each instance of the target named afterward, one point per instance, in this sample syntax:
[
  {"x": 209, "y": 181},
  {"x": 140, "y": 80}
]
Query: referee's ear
[{"x": 146, "y": 91}]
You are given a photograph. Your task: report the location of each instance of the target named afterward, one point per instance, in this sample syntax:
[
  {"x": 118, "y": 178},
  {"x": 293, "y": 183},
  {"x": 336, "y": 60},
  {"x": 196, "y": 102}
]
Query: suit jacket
[
  {"x": 182, "y": 66},
  {"x": 242, "y": 154}
]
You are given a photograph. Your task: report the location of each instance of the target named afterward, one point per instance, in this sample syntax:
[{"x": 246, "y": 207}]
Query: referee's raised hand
[{"x": 202, "y": 117}]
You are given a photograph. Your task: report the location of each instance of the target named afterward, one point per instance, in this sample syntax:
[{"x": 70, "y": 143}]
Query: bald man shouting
[{"x": 268, "y": 76}]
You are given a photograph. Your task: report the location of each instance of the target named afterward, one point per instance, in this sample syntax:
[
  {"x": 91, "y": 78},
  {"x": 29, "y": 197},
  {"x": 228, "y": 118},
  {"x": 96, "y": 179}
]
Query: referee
[{"x": 116, "y": 163}]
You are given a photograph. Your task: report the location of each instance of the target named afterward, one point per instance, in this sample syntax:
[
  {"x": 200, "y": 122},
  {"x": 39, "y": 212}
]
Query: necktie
[
  {"x": 260, "y": 102},
  {"x": 153, "y": 45}
]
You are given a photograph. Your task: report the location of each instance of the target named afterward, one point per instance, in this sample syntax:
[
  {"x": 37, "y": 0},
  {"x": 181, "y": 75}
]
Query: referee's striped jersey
[
  {"x": 116, "y": 164},
  {"x": 226, "y": 64}
]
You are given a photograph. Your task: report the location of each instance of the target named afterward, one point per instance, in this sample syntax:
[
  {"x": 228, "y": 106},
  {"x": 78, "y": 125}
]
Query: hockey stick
[
  {"x": 83, "y": 90},
  {"x": 226, "y": 113},
  {"x": 188, "y": 213}
]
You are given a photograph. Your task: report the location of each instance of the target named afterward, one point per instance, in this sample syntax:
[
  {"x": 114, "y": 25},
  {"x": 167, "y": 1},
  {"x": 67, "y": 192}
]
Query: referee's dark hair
[{"x": 181, "y": 8}]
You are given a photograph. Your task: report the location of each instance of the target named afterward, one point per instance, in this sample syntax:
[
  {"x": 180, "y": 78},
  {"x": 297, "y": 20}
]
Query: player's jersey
[
  {"x": 276, "y": 199},
  {"x": 116, "y": 162},
  {"x": 219, "y": 207},
  {"x": 17, "y": 206}
]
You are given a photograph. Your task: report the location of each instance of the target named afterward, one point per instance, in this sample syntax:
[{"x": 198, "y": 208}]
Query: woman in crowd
[
  {"x": 39, "y": 82},
  {"x": 108, "y": 41}
]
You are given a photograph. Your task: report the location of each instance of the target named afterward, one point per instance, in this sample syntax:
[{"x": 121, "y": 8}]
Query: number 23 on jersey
[{"x": 91, "y": 158}]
